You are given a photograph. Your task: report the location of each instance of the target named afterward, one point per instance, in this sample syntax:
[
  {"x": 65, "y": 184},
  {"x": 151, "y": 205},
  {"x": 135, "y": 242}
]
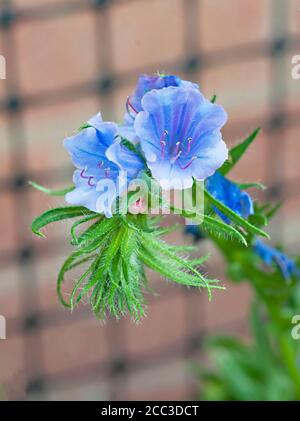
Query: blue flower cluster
[
  {"x": 173, "y": 126},
  {"x": 274, "y": 257},
  {"x": 230, "y": 195},
  {"x": 241, "y": 203}
]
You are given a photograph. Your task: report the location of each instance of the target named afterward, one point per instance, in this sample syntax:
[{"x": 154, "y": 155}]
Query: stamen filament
[
  {"x": 177, "y": 147},
  {"x": 129, "y": 105},
  {"x": 189, "y": 164},
  {"x": 163, "y": 143},
  {"x": 189, "y": 144},
  {"x": 86, "y": 177},
  {"x": 174, "y": 159}
]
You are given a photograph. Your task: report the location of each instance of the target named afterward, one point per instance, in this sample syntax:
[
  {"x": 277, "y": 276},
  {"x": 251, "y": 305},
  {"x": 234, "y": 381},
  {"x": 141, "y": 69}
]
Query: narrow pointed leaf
[
  {"x": 271, "y": 212},
  {"x": 236, "y": 153},
  {"x": 57, "y": 214},
  {"x": 245, "y": 186},
  {"x": 51, "y": 192},
  {"x": 75, "y": 238},
  {"x": 218, "y": 227},
  {"x": 234, "y": 217}
]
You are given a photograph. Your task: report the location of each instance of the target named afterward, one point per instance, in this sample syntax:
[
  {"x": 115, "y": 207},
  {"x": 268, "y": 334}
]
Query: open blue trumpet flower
[
  {"x": 179, "y": 132},
  {"x": 100, "y": 177},
  {"x": 134, "y": 103}
]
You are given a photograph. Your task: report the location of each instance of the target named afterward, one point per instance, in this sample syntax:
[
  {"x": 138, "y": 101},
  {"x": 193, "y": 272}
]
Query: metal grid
[{"x": 118, "y": 367}]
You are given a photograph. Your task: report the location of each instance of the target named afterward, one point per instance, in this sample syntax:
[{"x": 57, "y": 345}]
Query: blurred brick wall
[{"x": 66, "y": 59}]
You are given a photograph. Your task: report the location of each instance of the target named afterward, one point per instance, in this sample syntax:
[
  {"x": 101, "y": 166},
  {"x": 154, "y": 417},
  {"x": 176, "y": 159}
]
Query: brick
[
  {"x": 91, "y": 391},
  {"x": 61, "y": 51},
  {"x": 227, "y": 307},
  {"x": 9, "y": 293},
  {"x": 45, "y": 147},
  {"x": 7, "y": 229},
  {"x": 294, "y": 16},
  {"x": 242, "y": 96},
  {"x": 163, "y": 327},
  {"x": 164, "y": 381},
  {"x": 23, "y": 4},
  {"x": 234, "y": 22},
  {"x": 5, "y": 160},
  {"x": 146, "y": 34},
  {"x": 12, "y": 367},
  {"x": 290, "y": 167},
  {"x": 289, "y": 235},
  {"x": 73, "y": 345}
]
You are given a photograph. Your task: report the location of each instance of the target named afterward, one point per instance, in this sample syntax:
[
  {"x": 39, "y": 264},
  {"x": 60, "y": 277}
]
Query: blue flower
[
  {"x": 230, "y": 195},
  {"x": 179, "y": 132},
  {"x": 134, "y": 103},
  {"x": 194, "y": 231},
  {"x": 100, "y": 177},
  {"x": 272, "y": 256}
]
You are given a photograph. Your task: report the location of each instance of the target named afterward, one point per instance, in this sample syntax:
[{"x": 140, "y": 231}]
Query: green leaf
[
  {"x": 259, "y": 329},
  {"x": 71, "y": 262},
  {"x": 213, "y": 99},
  {"x": 50, "y": 192},
  {"x": 75, "y": 240},
  {"x": 234, "y": 217},
  {"x": 220, "y": 228},
  {"x": 237, "y": 152},
  {"x": 271, "y": 212},
  {"x": 57, "y": 214},
  {"x": 245, "y": 186},
  {"x": 173, "y": 269},
  {"x": 151, "y": 243},
  {"x": 258, "y": 219}
]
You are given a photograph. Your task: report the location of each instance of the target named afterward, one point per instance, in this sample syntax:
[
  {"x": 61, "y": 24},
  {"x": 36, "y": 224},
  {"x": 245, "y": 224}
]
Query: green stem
[{"x": 276, "y": 315}]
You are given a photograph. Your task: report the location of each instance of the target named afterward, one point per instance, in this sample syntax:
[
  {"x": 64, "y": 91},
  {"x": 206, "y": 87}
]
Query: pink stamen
[
  {"x": 107, "y": 172},
  {"x": 189, "y": 164},
  {"x": 129, "y": 105},
  {"x": 86, "y": 177},
  {"x": 90, "y": 182},
  {"x": 189, "y": 144},
  {"x": 177, "y": 148},
  {"x": 174, "y": 159},
  {"x": 163, "y": 143},
  {"x": 100, "y": 164}
]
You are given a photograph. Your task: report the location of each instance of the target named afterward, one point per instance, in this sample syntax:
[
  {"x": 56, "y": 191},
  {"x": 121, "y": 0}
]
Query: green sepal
[{"x": 213, "y": 99}]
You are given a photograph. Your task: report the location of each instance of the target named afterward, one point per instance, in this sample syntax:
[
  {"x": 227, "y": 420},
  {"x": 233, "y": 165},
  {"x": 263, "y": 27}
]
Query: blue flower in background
[
  {"x": 134, "y": 103},
  {"x": 179, "y": 132},
  {"x": 94, "y": 152},
  {"x": 194, "y": 231},
  {"x": 230, "y": 195},
  {"x": 272, "y": 256}
]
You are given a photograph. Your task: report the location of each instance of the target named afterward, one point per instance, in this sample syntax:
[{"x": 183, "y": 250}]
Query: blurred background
[{"x": 65, "y": 61}]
